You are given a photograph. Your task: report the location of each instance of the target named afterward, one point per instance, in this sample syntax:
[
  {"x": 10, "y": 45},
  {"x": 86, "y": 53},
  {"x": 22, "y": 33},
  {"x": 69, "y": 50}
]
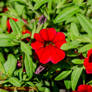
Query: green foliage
[
  {"x": 75, "y": 77},
  {"x": 66, "y": 14},
  {"x": 15, "y": 81},
  {"x": 77, "y": 61},
  {"x": 39, "y": 3},
  {"x": 26, "y": 48},
  {"x": 67, "y": 84},
  {"x": 10, "y": 64},
  {"x": 85, "y": 23},
  {"x": 14, "y": 27},
  {"x": 70, "y": 45},
  {"x": 63, "y": 75},
  {"x": 28, "y": 65},
  {"x": 72, "y": 17}
]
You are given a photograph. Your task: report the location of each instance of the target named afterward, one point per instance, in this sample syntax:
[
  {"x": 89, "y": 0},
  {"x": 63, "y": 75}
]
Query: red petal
[
  {"x": 8, "y": 26},
  {"x": 89, "y": 88},
  {"x": 60, "y": 43},
  {"x": 44, "y": 34},
  {"x": 50, "y": 53},
  {"x": 43, "y": 55},
  {"x": 57, "y": 55},
  {"x": 82, "y": 88},
  {"x": 51, "y": 33},
  {"x": 88, "y": 66},
  {"x": 36, "y": 45},
  {"x": 59, "y": 37},
  {"x": 14, "y": 19},
  {"x": 38, "y": 37},
  {"x": 89, "y": 52}
]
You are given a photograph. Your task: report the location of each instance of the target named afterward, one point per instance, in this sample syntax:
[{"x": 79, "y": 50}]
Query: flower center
[
  {"x": 47, "y": 43},
  {"x": 90, "y": 58}
]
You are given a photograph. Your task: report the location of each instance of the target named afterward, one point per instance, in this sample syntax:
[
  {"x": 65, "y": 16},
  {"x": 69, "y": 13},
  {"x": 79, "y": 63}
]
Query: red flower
[
  {"x": 8, "y": 24},
  {"x": 27, "y": 32},
  {"x": 88, "y": 62},
  {"x": 47, "y": 45},
  {"x": 84, "y": 88}
]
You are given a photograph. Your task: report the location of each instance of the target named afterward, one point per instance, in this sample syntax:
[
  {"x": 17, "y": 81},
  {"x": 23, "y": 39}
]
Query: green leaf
[
  {"x": 26, "y": 48},
  {"x": 78, "y": 1},
  {"x": 31, "y": 84},
  {"x": 39, "y": 4},
  {"x": 20, "y": 24},
  {"x": 14, "y": 26},
  {"x": 3, "y": 23},
  {"x": 85, "y": 48},
  {"x": 89, "y": 83},
  {"x": 7, "y": 36},
  {"x": 14, "y": 81},
  {"x": 89, "y": 2},
  {"x": 66, "y": 14},
  {"x": 46, "y": 90},
  {"x": 7, "y": 42},
  {"x": 10, "y": 64},
  {"x": 75, "y": 77},
  {"x": 67, "y": 84},
  {"x": 77, "y": 61},
  {"x": 63, "y": 75},
  {"x": 19, "y": 73},
  {"x": 40, "y": 86},
  {"x": 1, "y": 4},
  {"x": 28, "y": 65},
  {"x": 85, "y": 23},
  {"x": 2, "y": 90},
  {"x": 2, "y": 59},
  {"x": 19, "y": 8},
  {"x": 70, "y": 45},
  {"x": 12, "y": 12},
  {"x": 2, "y": 72},
  {"x": 20, "y": 1},
  {"x": 74, "y": 32},
  {"x": 50, "y": 2},
  {"x": 84, "y": 39}
]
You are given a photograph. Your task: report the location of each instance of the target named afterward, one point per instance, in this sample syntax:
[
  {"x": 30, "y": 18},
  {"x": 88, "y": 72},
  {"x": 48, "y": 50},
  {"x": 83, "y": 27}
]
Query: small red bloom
[
  {"x": 84, "y": 88},
  {"x": 88, "y": 62},
  {"x": 27, "y": 32},
  {"x": 47, "y": 45},
  {"x": 5, "y": 9},
  {"x": 8, "y": 24}
]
